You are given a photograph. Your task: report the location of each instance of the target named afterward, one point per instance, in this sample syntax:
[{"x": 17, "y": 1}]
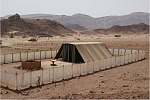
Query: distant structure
[{"x": 83, "y": 52}]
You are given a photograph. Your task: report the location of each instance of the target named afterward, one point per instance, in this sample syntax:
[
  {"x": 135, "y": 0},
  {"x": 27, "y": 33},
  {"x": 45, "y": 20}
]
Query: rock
[
  {"x": 102, "y": 81},
  {"x": 25, "y": 93},
  {"x": 100, "y": 75},
  {"x": 6, "y": 92},
  {"x": 125, "y": 86}
]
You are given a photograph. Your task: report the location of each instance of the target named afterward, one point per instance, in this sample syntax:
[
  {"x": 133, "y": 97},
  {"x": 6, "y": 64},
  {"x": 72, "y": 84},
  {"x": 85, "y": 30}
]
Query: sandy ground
[
  {"x": 125, "y": 82},
  {"x": 45, "y": 64}
]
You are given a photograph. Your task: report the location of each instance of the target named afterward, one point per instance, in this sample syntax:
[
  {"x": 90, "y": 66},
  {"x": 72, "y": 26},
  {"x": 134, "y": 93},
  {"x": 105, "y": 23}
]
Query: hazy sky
[{"x": 94, "y": 8}]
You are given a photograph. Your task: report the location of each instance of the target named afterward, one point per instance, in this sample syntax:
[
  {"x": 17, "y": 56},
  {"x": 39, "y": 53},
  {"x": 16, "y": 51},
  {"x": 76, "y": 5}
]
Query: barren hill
[
  {"x": 75, "y": 27},
  {"x": 94, "y": 23},
  {"x": 32, "y": 27},
  {"x": 140, "y": 28}
]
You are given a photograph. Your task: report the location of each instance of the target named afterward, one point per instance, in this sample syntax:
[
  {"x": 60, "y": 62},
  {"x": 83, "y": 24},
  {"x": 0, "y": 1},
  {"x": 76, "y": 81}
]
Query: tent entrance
[{"x": 69, "y": 53}]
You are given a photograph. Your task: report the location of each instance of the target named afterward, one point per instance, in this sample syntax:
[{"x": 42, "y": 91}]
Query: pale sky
[{"x": 94, "y": 8}]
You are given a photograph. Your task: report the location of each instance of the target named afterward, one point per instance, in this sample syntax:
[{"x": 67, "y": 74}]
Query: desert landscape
[
  {"x": 129, "y": 81},
  {"x": 46, "y": 32}
]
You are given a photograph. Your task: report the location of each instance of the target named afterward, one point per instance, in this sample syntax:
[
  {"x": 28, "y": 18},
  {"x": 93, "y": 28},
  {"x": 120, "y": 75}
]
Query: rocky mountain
[
  {"x": 75, "y": 27},
  {"x": 32, "y": 27},
  {"x": 140, "y": 28},
  {"x": 94, "y": 23}
]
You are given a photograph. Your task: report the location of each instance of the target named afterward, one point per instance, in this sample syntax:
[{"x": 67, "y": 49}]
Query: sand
[{"x": 125, "y": 82}]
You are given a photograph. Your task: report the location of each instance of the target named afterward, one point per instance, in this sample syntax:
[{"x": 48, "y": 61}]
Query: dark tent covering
[{"x": 83, "y": 52}]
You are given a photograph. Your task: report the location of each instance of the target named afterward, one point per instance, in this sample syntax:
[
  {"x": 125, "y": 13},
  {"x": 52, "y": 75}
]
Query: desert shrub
[
  {"x": 37, "y": 50},
  {"x": 117, "y": 36},
  {"x": 33, "y": 40},
  {"x": 91, "y": 91},
  {"x": 11, "y": 35}
]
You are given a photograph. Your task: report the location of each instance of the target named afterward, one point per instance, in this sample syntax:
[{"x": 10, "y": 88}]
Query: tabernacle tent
[{"x": 83, "y": 52}]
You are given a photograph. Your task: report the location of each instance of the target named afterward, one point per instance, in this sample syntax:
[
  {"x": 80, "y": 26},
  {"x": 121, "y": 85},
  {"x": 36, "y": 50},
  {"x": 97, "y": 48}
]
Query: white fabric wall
[
  {"x": 16, "y": 57},
  {"x": 58, "y": 73}
]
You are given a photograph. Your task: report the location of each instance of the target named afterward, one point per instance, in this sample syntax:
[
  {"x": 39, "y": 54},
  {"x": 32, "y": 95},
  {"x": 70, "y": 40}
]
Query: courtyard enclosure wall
[
  {"x": 25, "y": 56},
  {"x": 53, "y": 74}
]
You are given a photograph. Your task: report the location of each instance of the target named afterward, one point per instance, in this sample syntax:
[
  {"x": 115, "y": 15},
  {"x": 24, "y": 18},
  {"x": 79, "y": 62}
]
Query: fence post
[
  {"x": 12, "y": 58},
  {"x": 72, "y": 69},
  {"x": 34, "y": 55},
  {"x": 118, "y": 52},
  {"x": 63, "y": 72},
  {"x": 4, "y": 59},
  {"x": 87, "y": 67},
  {"x": 20, "y": 56},
  {"x": 45, "y": 54},
  {"x": 80, "y": 68},
  {"x": 53, "y": 75},
  {"x": 100, "y": 65},
  {"x": 138, "y": 55},
  {"x": 27, "y": 55},
  {"x": 30, "y": 78},
  {"x": 42, "y": 76},
  {"x": 16, "y": 81},
  {"x": 115, "y": 61},
  {"x": 113, "y": 52},
  {"x": 51, "y": 53},
  {"x": 93, "y": 65},
  {"x": 49, "y": 75},
  {"x": 40, "y": 54}
]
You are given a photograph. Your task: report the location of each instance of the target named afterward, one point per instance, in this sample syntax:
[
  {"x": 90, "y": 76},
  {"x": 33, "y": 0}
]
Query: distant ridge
[
  {"x": 94, "y": 23},
  {"x": 140, "y": 28}
]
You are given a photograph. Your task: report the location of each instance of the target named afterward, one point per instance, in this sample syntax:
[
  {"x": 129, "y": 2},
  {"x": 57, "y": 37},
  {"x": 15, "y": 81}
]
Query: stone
[
  {"x": 125, "y": 86},
  {"x": 100, "y": 75}
]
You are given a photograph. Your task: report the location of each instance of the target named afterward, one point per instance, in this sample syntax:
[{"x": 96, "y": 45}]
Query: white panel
[
  {"x": 76, "y": 69},
  {"x": 43, "y": 55},
  {"x": 118, "y": 62},
  {"x": 96, "y": 65},
  {"x": 122, "y": 60},
  {"x": 67, "y": 71},
  {"x": 51, "y": 74},
  {"x": 126, "y": 58},
  {"x": 11, "y": 79},
  {"x": 23, "y": 56},
  {"x": 30, "y": 55},
  {"x": 8, "y": 58},
  {"x": 113, "y": 61},
  {"x": 83, "y": 68},
  {"x": 46, "y": 75},
  {"x": 35, "y": 75},
  {"x": 37, "y": 55},
  {"x": 20, "y": 79},
  {"x": 90, "y": 67},
  {"x": 143, "y": 54},
  {"x": 2, "y": 59},
  {"x": 53, "y": 53},
  {"x": 130, "y": 58},
  {"x": 109, "y": 63},
  {"x": 48, "y": 54},
  {"x": 16, "y": 57},
  {"x": 26, "y": 80},
  {"x": 58, "y": 73},
  {"x": 133, "y": 57},
  {"x": 136, "y": 56},
  {"x": 102, "y": 64}
]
